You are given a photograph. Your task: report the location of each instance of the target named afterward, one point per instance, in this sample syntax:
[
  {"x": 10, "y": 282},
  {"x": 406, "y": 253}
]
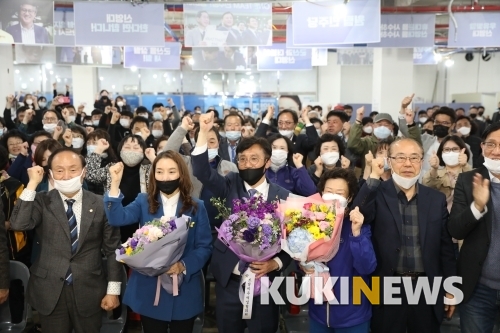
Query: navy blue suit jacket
[
  {"x": 224, "y": 150},
  {"x": 230, "y": 187},
  {"x": 382, "y": 211},
  {"x": 41, "y": 34},
  {"x": 249, "y": 38}
]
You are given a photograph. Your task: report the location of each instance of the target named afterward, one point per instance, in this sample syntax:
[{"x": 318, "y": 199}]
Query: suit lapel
[
  {"x": 57, "y": 208},
  {"x": 391, "y": 198},
  {"x": 86, "y": 218},
  {"x": 423, "y": 205},
  {"x": 273, "y": 194}
]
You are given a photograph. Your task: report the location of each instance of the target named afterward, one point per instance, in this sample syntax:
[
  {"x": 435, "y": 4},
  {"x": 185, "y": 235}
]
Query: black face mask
[
  {"x": 473, "y": 115},
  {"x": 252, "y": 176},
  {"x": 428, "y": 131},
  {"x": 441, "y": 131},
  {"x": 169, "y": 186},
  {"x": 481, "y": 114}
]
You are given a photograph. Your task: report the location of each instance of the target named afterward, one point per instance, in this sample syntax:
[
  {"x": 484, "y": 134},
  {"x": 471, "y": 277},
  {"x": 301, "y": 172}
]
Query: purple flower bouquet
[
  {"x": 253, "y": 233},
  {"x": 155, "y": 247}
]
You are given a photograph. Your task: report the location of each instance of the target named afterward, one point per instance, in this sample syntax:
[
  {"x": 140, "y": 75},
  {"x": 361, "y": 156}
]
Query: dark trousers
[
  {"x": 66, "y": 319},
  {"x": 151, "y": 325},
  {"x": 229, "y": 310},
  {"x": 405, "y": 318},
  {"x": 479, "y": 313}
]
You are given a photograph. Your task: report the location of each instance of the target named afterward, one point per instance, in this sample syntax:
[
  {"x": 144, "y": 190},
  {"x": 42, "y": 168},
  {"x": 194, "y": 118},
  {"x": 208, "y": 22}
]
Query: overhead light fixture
[
  {"x": 133, "y": 68},
  {"x": 449, "y": 62},
  {"x": 438, "y": 57},
  {"x": 191, "y": 61},
  {"x": 469, "y": 56}
]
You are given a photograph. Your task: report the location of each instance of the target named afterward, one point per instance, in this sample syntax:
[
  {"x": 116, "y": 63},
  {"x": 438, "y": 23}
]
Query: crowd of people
[{"x": 421, "y": 194}]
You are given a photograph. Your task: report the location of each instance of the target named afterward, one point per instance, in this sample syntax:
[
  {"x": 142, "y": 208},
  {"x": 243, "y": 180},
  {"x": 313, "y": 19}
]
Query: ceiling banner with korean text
[
  {"x": 475, "y": 30},
  {"x": 166, "y": 57}
]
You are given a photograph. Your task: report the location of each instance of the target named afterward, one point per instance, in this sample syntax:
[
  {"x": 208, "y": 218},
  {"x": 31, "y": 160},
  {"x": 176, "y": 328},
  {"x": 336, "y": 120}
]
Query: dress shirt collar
[
  {"x": 493, "y": 179},
  {"x": 24, "y": 29},
  {"x": 262, "y": 188},
  {"x": 78, "y": 197},
  {"x": 172, "y": 200}
]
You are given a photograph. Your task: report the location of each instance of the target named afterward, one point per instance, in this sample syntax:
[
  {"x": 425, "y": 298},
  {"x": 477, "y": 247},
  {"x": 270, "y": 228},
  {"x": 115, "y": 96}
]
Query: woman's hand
[
  {"x": 177, "y": 268},
  {"x": 357, "y": 221}
]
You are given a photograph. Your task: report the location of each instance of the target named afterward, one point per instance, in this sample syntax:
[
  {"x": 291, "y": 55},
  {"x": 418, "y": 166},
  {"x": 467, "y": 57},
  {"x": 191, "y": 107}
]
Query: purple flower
[
  {"x": 253, "y": 222},
  {"x": 248, "y": 236},
  {"x": 122, "y": 250},
  {"x": 267, "y": 230},
  {"x": 133, "y": 243},
  {"x": 172, "y": 224}
]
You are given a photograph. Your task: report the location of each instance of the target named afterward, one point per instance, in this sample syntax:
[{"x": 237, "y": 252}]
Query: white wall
[{"x": 356, "y": 84}]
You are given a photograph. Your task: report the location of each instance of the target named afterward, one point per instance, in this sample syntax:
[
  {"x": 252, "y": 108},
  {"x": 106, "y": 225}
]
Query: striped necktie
[
  {"x": 252, "y": 192},
  {"x": 73, "y": 229}
]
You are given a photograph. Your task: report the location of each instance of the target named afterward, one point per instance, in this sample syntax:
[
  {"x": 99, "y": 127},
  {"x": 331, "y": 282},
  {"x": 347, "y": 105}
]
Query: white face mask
[
  {"x": 278, "y": 157},
  {"x": 72, "y": 119},
  {"x": 87, "y": 123},
  {"x": 330, "y": 158},
  {"x": 125, "y": 123},
  {"x": 450, "y": 159},
  {"x": 382, "y": 132},
  {"x": 222, "y": 134},
  {"x": 29, "y": 101},
  {"x": 119, "y": 103},
  {"x": 77, "y": 143},
  {"x": 405, "y": 183},
  {"x": 157, "y": 115},
  {"x": 233, "y": 135},
  {"x": 131, "y": 158},
  {"x": 333, "y": 196},
  {"x": 246, "y": 113},
  {"x": 91, "y": 149},
  {"x": 95, "y": 123},
  {"x": 464, "y": 130},
  {"x": 493, "y": 166},
  {"x": 157, "y": 133},
  {"x": 422, "y": 120},
  {"x": 212, "y": 153},
  {"x": 368, "y": 129},
  {"x": 49, "y": 127},
  {"x": 42, "y": 104},
  {"x": 68, "y": 186},
  {"x": 286, "y": 133}
]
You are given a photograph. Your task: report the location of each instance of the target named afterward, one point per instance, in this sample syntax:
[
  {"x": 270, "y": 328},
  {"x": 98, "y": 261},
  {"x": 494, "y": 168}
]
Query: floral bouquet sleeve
[
  {"x": 253, "y": 232},
  {"x": 311, "y": 233},
  {"x": 155, "y": 247}
]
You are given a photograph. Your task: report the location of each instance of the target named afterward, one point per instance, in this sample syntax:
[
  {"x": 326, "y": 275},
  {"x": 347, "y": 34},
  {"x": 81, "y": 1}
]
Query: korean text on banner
[
  {"x": 333, "y": 22},
  {"x": 117, "y": 24},
  {"x": 64, "y": 27},
  {"x": 407, "y": 30},
  {"x": 279, "y": 57},
  {"x": 167, "y": 57},
  {"x": 475, "y": 30},
  {"x": 424, "y": 56}
]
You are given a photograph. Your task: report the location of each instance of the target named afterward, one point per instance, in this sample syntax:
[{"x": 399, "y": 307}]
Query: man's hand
[
  {"x": 297, "y": 160},
  {"x": 344, "y": 162},
  {"x": 115, "y": 118},
  {"x": 462, "y": 158},
  {"x": 68, "y": 138},
  {"x": 150, "y": 154},
  {"x": 187, "y": 124},
  {"x": 360, "y": 113},
  {"x": 449, "y": 309},
  {"x": 434, "y": 160},
  {"x": 101, "y": 146},
  {"x": 480, "y": 191},
  {"x": 369, "y": 158},
  {"x": 35, "y": 175},
  {"x": 65, "y": 115},
  {"x": 116, "y": 172},
  {"x": 80, "y": 109},
  {"x": 89, "y": 129},
  {"x": 377, "y": 168},
  {"x": 110, "y": 302},
  {"x": 262, "y": 268},
  {"x": 318, "y": 162},
  {"x": 206, "y": 122},
  {"x": 409, "y": 116},
  {"x": 57, "y": 132},
  {"x": 270, "y": 112},
  {"x": 346, "y": 128},
  {"x": 176, "y": 268},
  {"x": 247, "y": 132},
  {"x": 164, "y": 113},
  {"x": 170, "y": 102},
  {"x": 305, "y": 116},
  {"x": 357, "y": 221},
  {"x": 145, "y": 133},
  {"x": 406, "y": 102},
  {"x": 27, "y": 116},
  {"x": 9, "y": 100},
  {"x": 4, "y": 295},
  {"x": 107, "y": 109},
  {"x": 24, "y": 149}
]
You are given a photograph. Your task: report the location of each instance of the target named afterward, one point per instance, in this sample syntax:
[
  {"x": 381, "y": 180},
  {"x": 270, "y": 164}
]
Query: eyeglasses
[
  {"x": 29, "y": 11},
  {"x": 491, "y": 145},
  {"x": 285, "y": 123},
  {"x": 50, "y": 120},
  {"x": 449, "y": 150},
  {"x": 252, "y": 160},
  {"x": 403, "y": 159},
  {"x": 443, "y": 123}
]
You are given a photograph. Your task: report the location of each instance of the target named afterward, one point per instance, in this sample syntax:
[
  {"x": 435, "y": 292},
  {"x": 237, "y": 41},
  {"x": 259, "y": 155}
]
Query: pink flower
[
  {"x": 323, "y": 225},
  {"x": 320, "y": 216},
  {"x": 309, "y": 215},
  {"x": 307, "y": 206}
]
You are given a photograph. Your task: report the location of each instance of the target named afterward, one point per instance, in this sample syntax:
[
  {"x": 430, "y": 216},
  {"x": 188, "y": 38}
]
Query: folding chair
[{"x": 18, "y": 271}]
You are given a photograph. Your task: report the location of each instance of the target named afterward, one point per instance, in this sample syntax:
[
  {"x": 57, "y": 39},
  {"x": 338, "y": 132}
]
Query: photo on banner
[
  {"x": 233, "y": 24},
  {"x": 226, "y": 58},
  {"x": 279, "y": 57},
  {"x": 119, "y": 23},
  {"x": 355, "y": 57},
  {"x": 26, "y": 22},
  {"x": 167, "y": 57},
  {"x": 96, "y": 56},
  {"x": 34, "y": 54},
  {"x": 64, "y": 26}
]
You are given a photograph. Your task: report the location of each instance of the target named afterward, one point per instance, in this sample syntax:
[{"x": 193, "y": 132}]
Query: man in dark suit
[
  {"x": 67, "y": 285},
  {"x": 253, "y": 158},
  {"x": 227, "y": 22},
  {"x": 233, "y": 125},
  {"x": 410, "y": 239},
  {"x": 4, "y": 259},
  {"x": 496, "y": 115},
  {"x": 252, "y": 36},
  {"x": 287, "y": 122},
  {"x": 231, "y": 58},
  {"x": 481, "y": 125},
  {"x": 26, "y": 31},
  {"x": 205, "y": 58},
  {"x": 475, "y": 217}
]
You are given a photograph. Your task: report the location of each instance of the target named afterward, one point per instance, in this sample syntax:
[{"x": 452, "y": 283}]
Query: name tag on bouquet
[{"x": 246, "y": 295}]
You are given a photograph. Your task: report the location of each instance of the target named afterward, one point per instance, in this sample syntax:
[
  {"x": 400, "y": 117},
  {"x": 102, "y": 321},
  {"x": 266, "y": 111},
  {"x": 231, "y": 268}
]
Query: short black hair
[
  {"x": 234, "y": 114},
  {"x": 21, "y": 109},
  {"x": 348, "y": 107},
  {"x": 480, "y": 107},
  {"x": 458, "y": 109},
  {"x": 213, "y": 129},
  {"x": 339, "y": 173},
  {"x": 339, "y": 114},
  {"x": 422, "y": 112},
  {"x": 37, "y": 134},
  {"x": 328, "y": 138},
  {"x": 157, "y": 105},
  {"x": 139, "y": 119},
  {"x": 135, "y": 138},
  {"x": 246, "y": 143},
  {"x": 490, "y": 129},
  {"x": 366, "y": 120},
  {"x": 251, "y": 121},
  {"x": 473, "y": 126},
  {"x": 157, "y": 141},
  {"x": 4, "y": 157},
  {"x": 458, "y": 140},
  {"x": 289, "y": 145},
  {"x": 216, "y": 113},
  {"x": 58, "y": 115},
  {"x": 291, "y": 112},
  {"x": 141, "y": 109},
  {"x": 12, "y": 134},
  {"x": 127, "y": 114},
  {"x": 70, "y": 106},
  {"x": 63, "y": 150},
  {"x": 444, "y": 110},
  {"x": 201, "y": 12},
  {"x": 96, "y": 112},
  {"x": 373, "y": 113}
]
